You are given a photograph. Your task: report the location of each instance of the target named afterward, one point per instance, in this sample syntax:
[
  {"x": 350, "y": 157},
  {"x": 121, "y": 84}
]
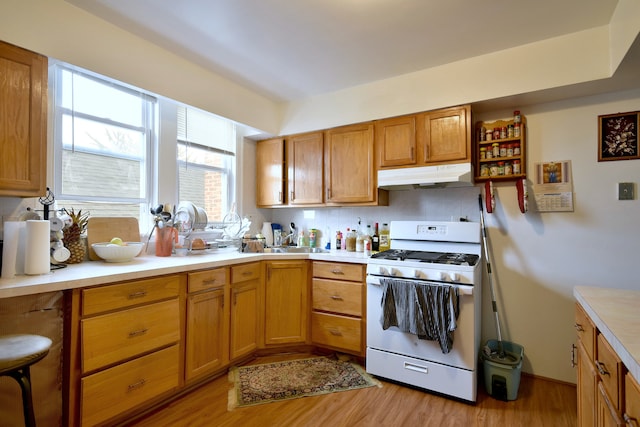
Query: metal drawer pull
[
  {"x": 335, "y": 333},
  {"x": 601, "y": 368},
  {"x": 247, "y": 273},
  {"x": 578, "y": 327},
  {"x": 336, "y": 271},
  {"x": 630, "y": 421},
  {"x": 136, "y": 385},
  {"x": 416, "y": 368},
  {"x": 137, "y": 333},
  {"x": 208, "y": 282},
  {"x": 138, "y": 294},
  {"x": 336, "y": 297},
  {"x": 573, "y": 356}
]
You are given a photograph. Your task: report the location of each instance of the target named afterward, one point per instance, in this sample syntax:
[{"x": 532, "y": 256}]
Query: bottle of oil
[
  {"x": 385, "y": 242},
  {"x": 375, "y": 239}
]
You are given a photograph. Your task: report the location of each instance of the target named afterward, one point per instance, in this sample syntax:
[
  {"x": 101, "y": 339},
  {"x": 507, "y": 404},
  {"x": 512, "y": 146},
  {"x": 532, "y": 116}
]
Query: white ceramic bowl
[{"x": 116, "y": 253}]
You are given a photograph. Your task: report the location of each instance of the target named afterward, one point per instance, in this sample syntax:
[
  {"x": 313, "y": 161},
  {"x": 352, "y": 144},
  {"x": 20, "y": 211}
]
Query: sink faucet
[{"x": 291, "y": 237}]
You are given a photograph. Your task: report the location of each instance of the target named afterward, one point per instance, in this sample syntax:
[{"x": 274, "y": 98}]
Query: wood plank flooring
[{"x": 540, "y": 403}]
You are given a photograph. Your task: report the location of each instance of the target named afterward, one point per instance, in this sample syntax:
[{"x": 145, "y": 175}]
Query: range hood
[{"x": 453, "y": 175}]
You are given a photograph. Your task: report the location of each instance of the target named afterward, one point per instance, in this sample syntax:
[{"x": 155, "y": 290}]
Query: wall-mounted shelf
[{"x": 510, "y": 164}]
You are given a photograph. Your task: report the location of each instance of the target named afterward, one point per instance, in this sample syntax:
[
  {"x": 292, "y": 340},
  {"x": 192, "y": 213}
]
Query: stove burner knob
[
  {"x": 454, "y": 276},
  {"x": 443, "y": 276},
  {"x": 395, "y": 272},
  {"x": 417, "y": 274},
  {"x": 382, "y": 271}
]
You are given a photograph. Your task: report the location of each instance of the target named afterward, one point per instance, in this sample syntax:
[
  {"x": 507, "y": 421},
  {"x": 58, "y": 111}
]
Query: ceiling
[{"x": 293, "y": 49}]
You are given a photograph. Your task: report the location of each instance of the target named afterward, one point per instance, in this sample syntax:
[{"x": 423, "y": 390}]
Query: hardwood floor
[{"x": 540, "y": 403}]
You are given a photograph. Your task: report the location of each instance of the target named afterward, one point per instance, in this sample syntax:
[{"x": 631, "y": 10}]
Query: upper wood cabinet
[
  {"x": 305, "y": 169},
  {"x": 396, "y": 141},
  {"x": 23, "y": 122},
  {"x": 350, "y": 172},
  {"x": 270, "y": 172},
  {"x": 432, "y": 137},
  {"x": 445, "y": 135}
]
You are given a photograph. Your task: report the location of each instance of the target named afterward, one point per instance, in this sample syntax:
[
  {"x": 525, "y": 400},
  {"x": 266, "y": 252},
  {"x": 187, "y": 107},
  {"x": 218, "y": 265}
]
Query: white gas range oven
[{"x": 431, "y": 272}]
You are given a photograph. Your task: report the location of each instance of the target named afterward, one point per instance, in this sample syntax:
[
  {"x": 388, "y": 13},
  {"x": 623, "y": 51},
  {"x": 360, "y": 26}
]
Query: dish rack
[{"x": 253, "y": 244}]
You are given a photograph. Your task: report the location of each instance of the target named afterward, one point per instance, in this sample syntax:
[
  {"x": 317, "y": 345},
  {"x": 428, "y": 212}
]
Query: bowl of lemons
[{"x": 117, "y": 251}]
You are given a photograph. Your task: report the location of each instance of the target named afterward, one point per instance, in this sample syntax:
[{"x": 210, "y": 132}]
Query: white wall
[{"x": 538, "y": 257}]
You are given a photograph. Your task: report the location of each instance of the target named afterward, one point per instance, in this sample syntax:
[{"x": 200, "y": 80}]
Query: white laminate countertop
[
  {"x": 91, "y": 273},
  {"x": 615, "y": 313}
]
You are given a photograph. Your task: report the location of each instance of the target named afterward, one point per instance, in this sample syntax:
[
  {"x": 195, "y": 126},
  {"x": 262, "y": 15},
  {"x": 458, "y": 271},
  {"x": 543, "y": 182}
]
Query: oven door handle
[{"x": 462, "y": 289}]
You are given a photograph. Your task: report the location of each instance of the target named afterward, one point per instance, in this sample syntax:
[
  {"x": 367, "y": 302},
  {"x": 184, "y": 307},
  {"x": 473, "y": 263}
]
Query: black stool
[{"x": 17, "y": 354}]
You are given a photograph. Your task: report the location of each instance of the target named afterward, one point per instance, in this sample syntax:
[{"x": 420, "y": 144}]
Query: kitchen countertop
[
  {"x": 615, "y": 314},
  {"x": 90, "y": 273}
]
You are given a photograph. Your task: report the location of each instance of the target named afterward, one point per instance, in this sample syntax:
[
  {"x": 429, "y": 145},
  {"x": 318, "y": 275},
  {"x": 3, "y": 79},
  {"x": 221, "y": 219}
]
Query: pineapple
[{"x": 72, "y": 234}]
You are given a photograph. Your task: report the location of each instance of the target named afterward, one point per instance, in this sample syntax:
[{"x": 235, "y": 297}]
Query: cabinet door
[
  {"x": 396, "y": 141},
  {"x": 207, "y": 340},
  {"x": 270, "y": 172},
  {"x": 23, "y": 122},
  {"x": 607, "y": 415},
  {"x": 244, "y": 318},
  {"x": 349, "y": 154},
  {"x": 286, "y": 302},
  {"x": 445, "y": 135},
  {"x": 305, "y": 169},
  {"x": 632, "y": 400},
  {"x": 586, "y": 388}
]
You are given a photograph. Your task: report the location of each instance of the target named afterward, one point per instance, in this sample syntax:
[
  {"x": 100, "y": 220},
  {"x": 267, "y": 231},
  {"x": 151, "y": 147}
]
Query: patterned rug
[{"x": 257, "y": 384}]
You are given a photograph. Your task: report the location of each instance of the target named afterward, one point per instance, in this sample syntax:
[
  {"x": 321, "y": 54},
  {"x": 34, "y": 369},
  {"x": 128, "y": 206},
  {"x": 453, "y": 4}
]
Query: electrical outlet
[{"x": 625, "y": 191}]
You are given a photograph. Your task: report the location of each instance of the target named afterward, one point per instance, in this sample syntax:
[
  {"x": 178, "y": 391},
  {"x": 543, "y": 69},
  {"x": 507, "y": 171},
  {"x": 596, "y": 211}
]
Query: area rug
[{"x": 271, "y": 382}]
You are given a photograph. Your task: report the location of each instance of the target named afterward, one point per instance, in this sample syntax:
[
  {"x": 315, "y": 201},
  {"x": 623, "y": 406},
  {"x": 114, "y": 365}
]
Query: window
[
  {"x": 206, "y": 150},
  {"x": 103, "y": 139}
]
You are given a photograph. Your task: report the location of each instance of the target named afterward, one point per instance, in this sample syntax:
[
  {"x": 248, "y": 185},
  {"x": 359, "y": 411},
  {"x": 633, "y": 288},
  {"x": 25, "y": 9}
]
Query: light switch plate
[{"x": 625, "y": 191}]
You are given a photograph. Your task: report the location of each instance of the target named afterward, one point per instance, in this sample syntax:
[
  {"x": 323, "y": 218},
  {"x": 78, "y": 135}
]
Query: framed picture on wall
[{"x": 618, "y": 136}]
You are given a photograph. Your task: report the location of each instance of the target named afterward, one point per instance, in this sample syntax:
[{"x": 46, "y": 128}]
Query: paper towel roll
[
  {"x": 36, "y": 256},
  {"x": 10, "y": 248}
]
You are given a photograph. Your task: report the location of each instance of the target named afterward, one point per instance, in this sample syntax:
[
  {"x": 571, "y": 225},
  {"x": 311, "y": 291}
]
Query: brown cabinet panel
[
  {"x": 244, "y": 318},
  {"x": 23, "y": 122},
  {"x": 445, "y": 135},
  {"x": 305, "y": 169},
  {"x": 396, "y": 141},
  {"x": 336, "y": 331},
  {"x": 286, "y": 302},
  {"x": 337, "y": 296},
  {"x": 338, "y": 271},
  {"x": 270, "y": 172}
]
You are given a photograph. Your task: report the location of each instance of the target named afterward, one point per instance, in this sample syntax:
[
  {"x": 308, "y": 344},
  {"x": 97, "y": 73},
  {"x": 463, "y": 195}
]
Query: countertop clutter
[
  {"x": 615, "y": 314},
  {"x": 90, "y": 273}
]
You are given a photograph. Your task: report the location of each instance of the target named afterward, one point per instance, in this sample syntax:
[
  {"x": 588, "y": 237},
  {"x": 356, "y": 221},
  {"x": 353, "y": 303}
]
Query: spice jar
[
  {"x": 510, "y": 131},
  {"x": 503, "y": 132},
  {"x": 516, "y": 149},
  {"x": 496, "y": 149},
  {"x": 496, "y": 133},
  {"x": 493, "y": 169},
  {"x": 516, "y": 167},
  {"x": 508, "y": 169},
  {"x": 500, "y": 168},
  {"x": 484, "y": 170},
  {"x": 489, "y": 135},
  {"x": 483, "y": 153},
  {"x": 503, "y": 150},
  {"x": 517, "y": 118},
  {"x": 509, "y": 150},
  {"x": 516, "y": 130}
]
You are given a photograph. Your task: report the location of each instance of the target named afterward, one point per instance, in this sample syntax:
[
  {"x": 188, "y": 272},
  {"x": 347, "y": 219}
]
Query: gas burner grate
[{"x": 428, "y": 257}]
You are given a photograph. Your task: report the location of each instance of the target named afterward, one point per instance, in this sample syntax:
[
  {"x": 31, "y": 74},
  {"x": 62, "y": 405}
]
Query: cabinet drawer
[
  {"x": 632, "y": 399},
  {"x": 336, "y": 331},
  {"x": 585, "y": 331},
  {"x": 337, "y": 296},
  {"x": 244, "y": 272},
  {"x": 338, "y": 270},
  {"x": 105, "y": 298},
  {"x": 116, "y": 390},
  {"x": 117, "y": 336},
  {"x": 210, "y": 279},
  {"x": 611, "y": 372}
]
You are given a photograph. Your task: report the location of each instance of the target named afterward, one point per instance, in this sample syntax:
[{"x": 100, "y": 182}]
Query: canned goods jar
[
  {"x": 493, "y": 169},
  {"x": 484, "y": 170},
  {"x": 508, "y": 169},
  {"x": 516, "y": 167},
  {"x": 496, "y": 149}
]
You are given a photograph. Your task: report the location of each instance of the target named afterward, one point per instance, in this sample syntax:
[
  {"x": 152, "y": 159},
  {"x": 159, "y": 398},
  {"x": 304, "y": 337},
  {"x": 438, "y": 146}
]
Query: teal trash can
[{"x": 502, "y": 374}]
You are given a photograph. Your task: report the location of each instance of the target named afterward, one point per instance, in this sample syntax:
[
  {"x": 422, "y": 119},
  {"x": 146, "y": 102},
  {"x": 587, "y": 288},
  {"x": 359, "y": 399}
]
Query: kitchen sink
[{"x": 297, "y": 250}]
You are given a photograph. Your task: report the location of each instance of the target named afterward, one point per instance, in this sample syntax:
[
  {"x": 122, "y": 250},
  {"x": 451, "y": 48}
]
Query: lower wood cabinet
[
  {"x": 207, "y": 335},
  {"x": 123, "y": 345},
  {"x": 607, "y": 394},
  {"x": 338, "y": 304},
  {"x": 286, "y": 302},
  {"x": 245, "y": 309}
]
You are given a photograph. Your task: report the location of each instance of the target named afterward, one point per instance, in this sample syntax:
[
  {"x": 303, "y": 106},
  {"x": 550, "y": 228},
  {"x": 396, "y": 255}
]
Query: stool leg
[{"x": 23, "y": 377}]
